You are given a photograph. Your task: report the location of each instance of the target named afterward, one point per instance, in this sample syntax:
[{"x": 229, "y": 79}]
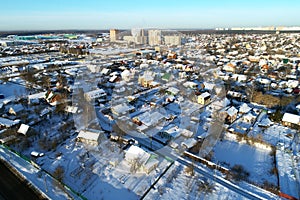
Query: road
[{"x": 13, "y": 188}]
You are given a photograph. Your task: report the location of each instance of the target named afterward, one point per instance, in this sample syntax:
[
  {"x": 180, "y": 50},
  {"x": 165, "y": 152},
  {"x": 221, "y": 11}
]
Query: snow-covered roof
[
  {"x": 150, "y": 118},
  {"x": 89, "y": 135},
  {"x": 39, "y": 95},
  {"x": 291, "y": 118},
  {"x": 232, "y": 111},
  {"x": 205, "y": 95},
  {"x": 189, "y": 142},
  {"x": 71, "y": 109},
  {"x": 7, "y": 122},
  {"x": 23, "y": 129},
  {"x": 265, "y": 122},
  {"x": 244, "y": 108},
  {"x": 173, "y": 90},
  {"x": 135, "y": 152},
  {"x": 121, "y": 108},
  {"x": 95, "y": 94}
]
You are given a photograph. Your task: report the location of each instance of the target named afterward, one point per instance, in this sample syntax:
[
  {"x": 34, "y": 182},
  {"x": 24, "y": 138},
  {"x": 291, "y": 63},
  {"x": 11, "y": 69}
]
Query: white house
[
  {"x": 23, "y": 129},
  {"x": 291, "y": 120},
  {"x": 91, "y": 137},
  {"x": 94, "y": 94}
]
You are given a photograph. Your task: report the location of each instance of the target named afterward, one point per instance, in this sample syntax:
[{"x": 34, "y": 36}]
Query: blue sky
[{"x": 101, "y": 14}]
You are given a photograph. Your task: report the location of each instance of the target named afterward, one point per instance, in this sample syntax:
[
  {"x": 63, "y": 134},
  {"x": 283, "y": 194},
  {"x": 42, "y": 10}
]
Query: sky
[{"x": 126, "y": 14}]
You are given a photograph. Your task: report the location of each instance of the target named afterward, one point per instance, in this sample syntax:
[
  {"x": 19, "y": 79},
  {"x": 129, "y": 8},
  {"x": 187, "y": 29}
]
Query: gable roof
[{"x": 291, "y": 118}]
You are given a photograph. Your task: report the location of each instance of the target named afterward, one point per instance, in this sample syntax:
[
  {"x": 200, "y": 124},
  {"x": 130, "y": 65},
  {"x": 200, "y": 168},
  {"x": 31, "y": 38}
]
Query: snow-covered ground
[
  {"x": 45, "y": 183},
  {"x": 177, "y": 184},
  {"x": 287, "y": 173},
  {"x": 274, "y": 134},
  {"x": 89, "y": 170},
  {"x": 12, "y": 90},
  {"x": 257, "y": 161}
]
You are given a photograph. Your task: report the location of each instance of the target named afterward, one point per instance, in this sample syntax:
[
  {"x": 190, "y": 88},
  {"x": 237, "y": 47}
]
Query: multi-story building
[
  {"x": 113, "y": 34},
  {"x": 155, "y": 37},
  {"x": 172, "y": 40}
]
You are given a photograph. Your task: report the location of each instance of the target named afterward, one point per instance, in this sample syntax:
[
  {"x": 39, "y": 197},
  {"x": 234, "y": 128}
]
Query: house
[
  {"x": 53, "y": 98},
  {"x": 172, "y": 91},
  {"x": 146, "y": 79},
  {"x": 291, "y": 120},
  {"x": 136, "y": 155},
  {"x": 16, "y": 109},
  {"x": 71, "y": 109},
  {"x": 188, "y": 143},
  {"x": 23, "y": 129},
  {"x": 35, "y": 98},
  {"x": 190, "y": 84},
  {"x": 244, "y": 108},
  {"x": 204, "y": 98},
  {"x": 122, "y": 109},
  {"x": 230, "y": 114},
  {"x": 94, "y": 94},
  {"x": 229, "y": 67},
  {"x": 249, "y": 118},
  {"x": 91, "y": 137},
  {"x": 7, "y": 123}
]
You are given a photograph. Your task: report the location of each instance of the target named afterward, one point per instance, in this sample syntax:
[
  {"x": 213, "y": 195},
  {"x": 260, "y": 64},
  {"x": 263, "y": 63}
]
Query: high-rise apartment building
[
  {"x": 172, "y": 40},
  {"x": 154, "y": 37},
  {"x": 113, "y": 34}
]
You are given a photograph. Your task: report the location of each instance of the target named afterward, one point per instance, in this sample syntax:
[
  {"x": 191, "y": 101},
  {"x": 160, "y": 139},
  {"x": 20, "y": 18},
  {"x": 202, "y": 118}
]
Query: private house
[
  {"x": 146, "y": 79},
  {"x": 291, "y": 120},
  {"x": 188, "y": 143},
  {"x": 122, "y": 109},
  {"x": 137, "y": 156},
  {"x": 53, "y": 98},
  {"x": 203, "y": 98},
  {"x": 244, "y": 108},
  {"x": 35, "y": 98},
  {"x": 229, "y": 114},
  {"x": 172, "y": 91},
  {"x": 91, "y": 137},
  {"x": 94, "y": 94},
  {"x": 23, "y": 129},
  {"x": 7, "y": 123}
]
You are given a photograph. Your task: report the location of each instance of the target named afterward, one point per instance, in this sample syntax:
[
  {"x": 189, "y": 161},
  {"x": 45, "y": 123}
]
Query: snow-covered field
[
  {"x": 287, "y": 173},
  {"x": 89, "y": 170},
  {"x": 11, "y": 89},
  {"x": 177, "y": 184},
  {"x": 48, "y": 186},
  {"x": 274, "y": 134},
  {"x": 257, "y": 161}
]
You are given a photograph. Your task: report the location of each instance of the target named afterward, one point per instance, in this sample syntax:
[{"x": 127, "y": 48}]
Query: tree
[{"x": 59, "y": 173}]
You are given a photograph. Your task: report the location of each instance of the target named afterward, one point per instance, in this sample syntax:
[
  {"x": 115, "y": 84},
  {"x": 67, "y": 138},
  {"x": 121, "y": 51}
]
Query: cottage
[
  {"x": 91, "y": 137},
  {"x": 231, "y": 114},
  {"x": 188, "y": 143},
  {"x": 204, "y": 98},
  {"x": 23, "y": 129},
  {"x": 244, "y": 108},
  {"x": 122, "y": 109},
  {"x": 35, "y": 98},
  {"x": 7, "y": 123},
  {"x": 136, "y": 154},
  {"x": 146, "y": 79},
  {"x": 291, "y": 120},
  {"x": 172, "y": 91},
  {"x": 94, "y": 94}
]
